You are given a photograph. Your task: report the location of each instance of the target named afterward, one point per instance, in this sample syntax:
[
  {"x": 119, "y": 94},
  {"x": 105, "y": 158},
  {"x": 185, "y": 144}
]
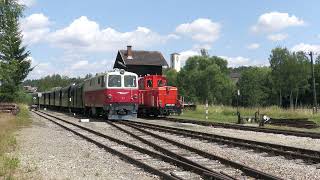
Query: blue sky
[{"x": 78, "y": 37}]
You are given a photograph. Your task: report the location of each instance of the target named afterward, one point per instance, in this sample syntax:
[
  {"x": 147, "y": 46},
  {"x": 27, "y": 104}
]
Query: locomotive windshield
[
  {"x": 114, "y": 81},
  {"x": 130, "y": 81}
]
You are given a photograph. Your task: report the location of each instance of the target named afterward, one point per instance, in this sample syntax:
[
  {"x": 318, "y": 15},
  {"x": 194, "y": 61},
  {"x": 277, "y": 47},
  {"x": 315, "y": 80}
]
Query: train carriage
[
  {"x": 47, "y": 99},
  {"x": 113, "y": 94},
  {"x": 76, "y": 95},
  {"x": 65, "y": 97},
  {"x": 41, "y": 99},
  {"x": 57, "y": 97},
  {"x": 52, "y": 99}
]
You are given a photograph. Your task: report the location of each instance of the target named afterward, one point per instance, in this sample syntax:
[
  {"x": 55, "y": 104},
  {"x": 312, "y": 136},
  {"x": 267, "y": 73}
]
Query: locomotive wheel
[{"x": 155, "y": 113}]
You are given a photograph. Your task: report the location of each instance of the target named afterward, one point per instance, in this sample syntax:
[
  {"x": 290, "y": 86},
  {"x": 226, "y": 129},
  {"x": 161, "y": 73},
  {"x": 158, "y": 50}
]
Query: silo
[{"x": 175, "y": 61}]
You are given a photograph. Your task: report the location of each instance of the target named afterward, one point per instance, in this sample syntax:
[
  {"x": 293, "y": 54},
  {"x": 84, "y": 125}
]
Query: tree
[
  {"x": 206, "y": 78},
  {"x": 254, "y": 86},
  {"x": 171, "y": 75},
  {"x": 290, "y": 73},
  {"x": 52, "y": 81},
  {"x": 14, "y": 63}
]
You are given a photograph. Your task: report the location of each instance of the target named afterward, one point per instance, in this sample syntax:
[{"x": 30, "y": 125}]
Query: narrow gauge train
[
  {"x": 156, "y": 98},
  {"x": 113, "y": 94}
]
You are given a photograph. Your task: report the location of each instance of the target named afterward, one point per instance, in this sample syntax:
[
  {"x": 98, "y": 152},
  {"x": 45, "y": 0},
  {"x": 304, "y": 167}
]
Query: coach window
[
  {"x": 130, "y": 81},
  {"x": 160, "y": 83},
  {"x": 102, "y": 81},
  {"x": 149, "y": 83},
  {"x": 114, "y": 81}
]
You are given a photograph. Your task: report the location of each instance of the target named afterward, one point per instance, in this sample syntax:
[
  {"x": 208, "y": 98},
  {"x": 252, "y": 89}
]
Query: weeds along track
[
  {"x": 247, "y": 128},
  {"x": 307, "y": 155},
  {"x": 161, "y": 156}
]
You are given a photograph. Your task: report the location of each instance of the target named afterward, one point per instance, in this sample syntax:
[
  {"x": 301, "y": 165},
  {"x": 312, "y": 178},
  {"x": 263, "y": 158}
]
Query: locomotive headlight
[{"x": 109, "y": 96}]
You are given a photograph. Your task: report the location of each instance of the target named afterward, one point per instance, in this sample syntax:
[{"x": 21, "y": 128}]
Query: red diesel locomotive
[
  {"x": 156, "y": 98},
  {"x": 114, "y": 94}
]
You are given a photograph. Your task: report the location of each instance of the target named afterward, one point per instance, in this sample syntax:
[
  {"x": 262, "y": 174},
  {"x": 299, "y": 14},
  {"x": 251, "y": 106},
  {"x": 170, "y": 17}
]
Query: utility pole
[{"x": 315, "y": 108}]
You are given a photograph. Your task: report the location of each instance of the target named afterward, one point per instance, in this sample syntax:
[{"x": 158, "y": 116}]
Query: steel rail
[
  {"x": 247, "y": 128},
  {"x": 308, "y": 155},
  {"x": 165, "y": 151},
  {"x": 186, "y": 166},
  {"x": 247, "y": 170}
]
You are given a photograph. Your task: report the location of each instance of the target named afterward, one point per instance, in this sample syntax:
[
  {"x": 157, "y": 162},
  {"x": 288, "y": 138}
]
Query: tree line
[
  {"x": 49, "y": 82},
  {"x": 286, "y": 82}
]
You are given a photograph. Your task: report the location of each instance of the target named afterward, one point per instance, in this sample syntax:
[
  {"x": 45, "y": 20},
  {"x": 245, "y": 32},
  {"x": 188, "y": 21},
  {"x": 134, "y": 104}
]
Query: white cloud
[
  {"x": 184, "y": 55},
  {"x": 84, "y": 34},
  {"x": 275, "y": 21},
  {"x": 27, "y": 3},
  {"x": 80, "y": 65},
  {"x": 83, "y": 67},
  {"x": 253, "y": 46},
  {"x": 41, "y": 69},
  {"x": 35, "y": 28},
  {"x": 277, "y": 37},
  {"x": 202, "y": 30},
  {"x": 243, "y": 61},
  {"x": 77, "y": 67},
  {"x": 306, "y": 48},
  {"x": 237, "y": 61},
  {"x": 198, "y": 47}
]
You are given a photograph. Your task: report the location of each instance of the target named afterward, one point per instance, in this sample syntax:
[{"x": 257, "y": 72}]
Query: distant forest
[{"x": 286, "y": 82}]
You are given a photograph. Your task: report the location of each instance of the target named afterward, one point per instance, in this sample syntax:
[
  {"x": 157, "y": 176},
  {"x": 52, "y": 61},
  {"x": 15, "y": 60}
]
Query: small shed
[{"x": 140, "y": 62}]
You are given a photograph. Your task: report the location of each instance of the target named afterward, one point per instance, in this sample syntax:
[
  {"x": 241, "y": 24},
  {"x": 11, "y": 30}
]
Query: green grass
[
  {"x": 227, "y": 114},
  {"x": 9, "y": 124}
]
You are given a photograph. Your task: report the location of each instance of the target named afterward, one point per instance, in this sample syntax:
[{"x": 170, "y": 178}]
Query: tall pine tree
[{"x": 14, "y": 63}]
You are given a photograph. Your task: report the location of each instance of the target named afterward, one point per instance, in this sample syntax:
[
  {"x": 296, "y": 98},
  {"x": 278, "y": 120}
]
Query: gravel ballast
[
  {"x": 47, "y": 151},
  {"x": 288, "y": 140},
  {"x": 276, "y": 165}
]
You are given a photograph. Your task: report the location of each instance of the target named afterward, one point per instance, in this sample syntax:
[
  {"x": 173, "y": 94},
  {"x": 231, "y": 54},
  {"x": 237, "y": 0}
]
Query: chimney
[{"x": 129, "y": 52}]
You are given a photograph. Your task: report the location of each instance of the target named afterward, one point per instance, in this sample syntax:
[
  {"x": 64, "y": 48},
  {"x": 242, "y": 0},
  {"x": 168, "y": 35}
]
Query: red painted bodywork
[
  {"x": 155, "y": 95},
  {"x": 100, "y": 98}
]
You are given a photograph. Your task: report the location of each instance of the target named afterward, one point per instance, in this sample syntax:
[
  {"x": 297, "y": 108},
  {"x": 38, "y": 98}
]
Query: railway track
[
  {"x": 154, "y": 162},
  {"x": 307, "y": 155},
  {"x": 187, "y": 153},
  {"x": 247, "y": 128},
  {"x": 182, "y": 164}
]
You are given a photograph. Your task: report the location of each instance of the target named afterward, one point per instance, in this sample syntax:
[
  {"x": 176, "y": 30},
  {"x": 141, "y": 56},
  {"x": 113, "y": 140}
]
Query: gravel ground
[
  {"x": 276, "y": 165},
  {"x": 112, "y": 131},
  {"x": 294, "y": 141},
  {"x": 47, "y": 151}
]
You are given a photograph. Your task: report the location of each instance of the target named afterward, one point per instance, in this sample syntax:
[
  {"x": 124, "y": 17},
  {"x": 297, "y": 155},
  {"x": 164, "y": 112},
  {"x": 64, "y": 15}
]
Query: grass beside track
[
  {"x": 9, "y": 124},
  {"x": 227, "y": 114}
]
